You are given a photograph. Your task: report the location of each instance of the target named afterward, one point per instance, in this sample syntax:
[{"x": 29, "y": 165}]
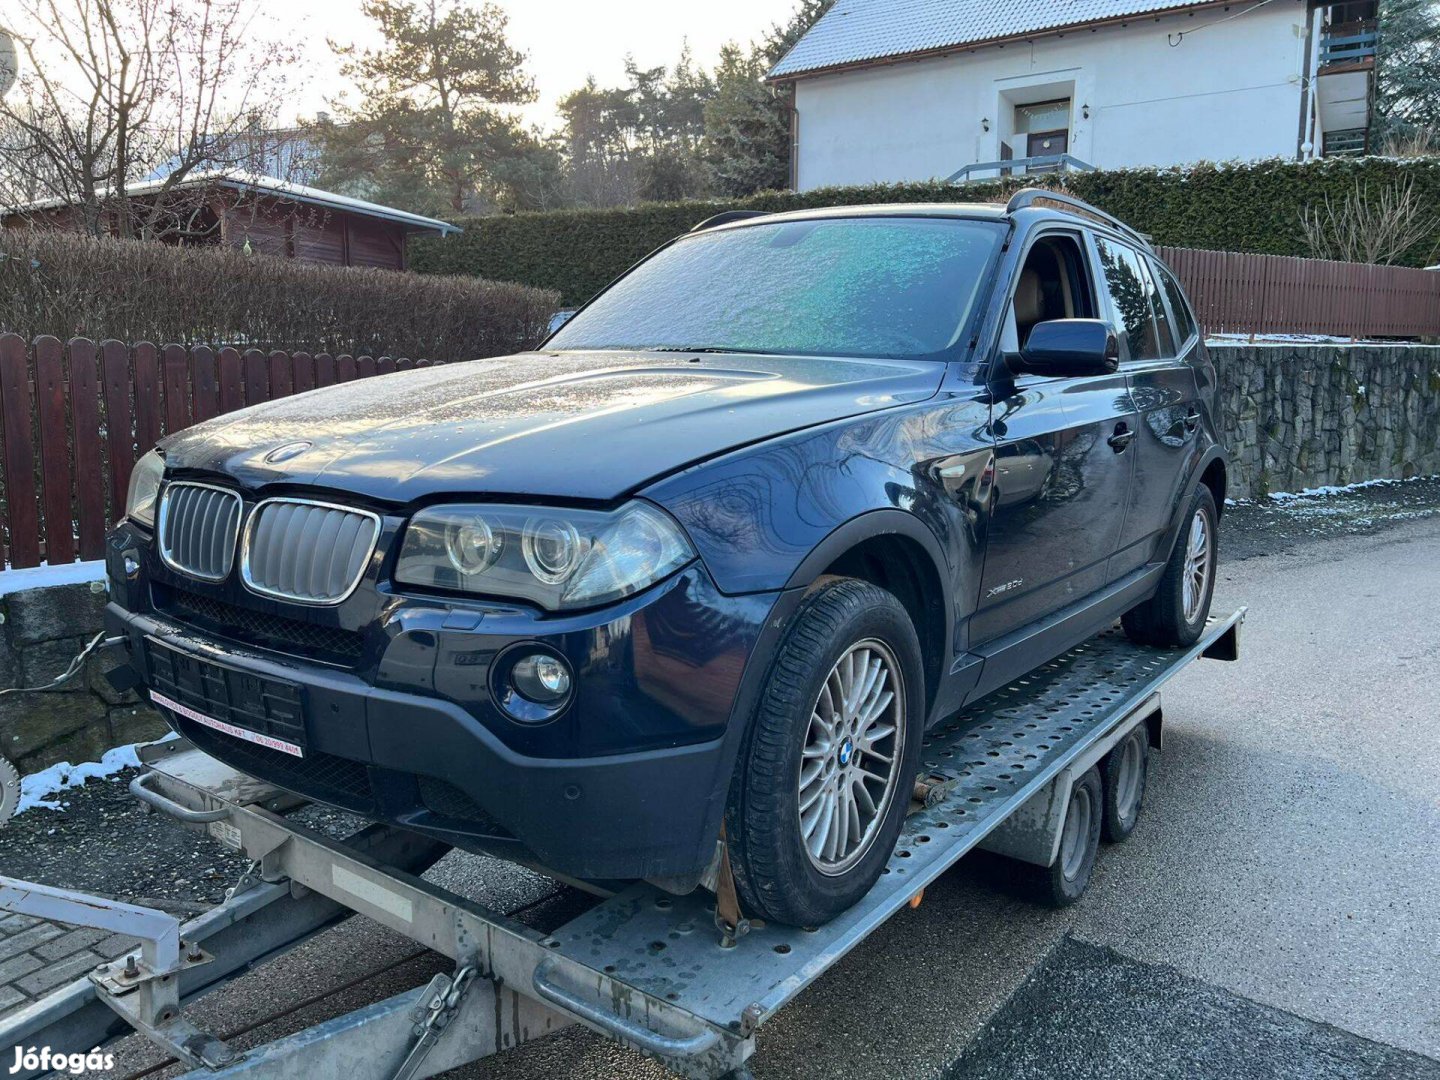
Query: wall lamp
[
  {"x": 1085, "y": 111},
  {"x": 985, "y": 124}
]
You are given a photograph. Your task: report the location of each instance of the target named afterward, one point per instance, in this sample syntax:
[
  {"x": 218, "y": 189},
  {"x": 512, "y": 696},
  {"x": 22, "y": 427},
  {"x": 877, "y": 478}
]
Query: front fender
[{"x": 760, "y": 514}]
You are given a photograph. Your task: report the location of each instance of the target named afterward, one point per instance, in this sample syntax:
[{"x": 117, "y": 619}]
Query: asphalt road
[{"x": 1274, "y": 914}]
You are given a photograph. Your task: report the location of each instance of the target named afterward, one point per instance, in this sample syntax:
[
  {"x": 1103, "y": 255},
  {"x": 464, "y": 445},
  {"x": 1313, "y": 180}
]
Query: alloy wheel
[
  {"x": 1198, "y": 559},
  {"x": 849, "y": 764}
]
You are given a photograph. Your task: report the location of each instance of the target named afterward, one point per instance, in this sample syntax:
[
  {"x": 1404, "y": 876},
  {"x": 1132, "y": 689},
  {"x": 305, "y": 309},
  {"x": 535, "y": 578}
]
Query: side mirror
[{"x": 1063, "y": 348}]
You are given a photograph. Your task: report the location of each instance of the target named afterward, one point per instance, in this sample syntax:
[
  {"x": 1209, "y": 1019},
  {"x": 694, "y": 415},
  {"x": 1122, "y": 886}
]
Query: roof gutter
[
  {"x": 972, "y": 46},
  {"x": 400, "y": 217}
]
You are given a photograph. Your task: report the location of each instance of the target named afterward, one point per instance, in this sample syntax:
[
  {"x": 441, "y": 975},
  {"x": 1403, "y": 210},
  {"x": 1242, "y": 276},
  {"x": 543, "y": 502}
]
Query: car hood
[{"x": 573, "y": 425}]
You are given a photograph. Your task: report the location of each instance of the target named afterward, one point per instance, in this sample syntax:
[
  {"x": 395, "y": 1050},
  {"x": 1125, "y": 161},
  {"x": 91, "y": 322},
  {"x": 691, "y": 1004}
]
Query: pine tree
[
  {"x": 430, "y": 132},
  {"x": 1407, "y": 75},
  {"x": 747, "y": 124}
]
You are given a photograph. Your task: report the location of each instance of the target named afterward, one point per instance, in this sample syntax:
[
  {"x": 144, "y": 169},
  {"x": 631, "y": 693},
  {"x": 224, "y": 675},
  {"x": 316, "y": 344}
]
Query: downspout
[
  {"x": 794, "y": 139},
  {"x": 1307, "y": 89}
]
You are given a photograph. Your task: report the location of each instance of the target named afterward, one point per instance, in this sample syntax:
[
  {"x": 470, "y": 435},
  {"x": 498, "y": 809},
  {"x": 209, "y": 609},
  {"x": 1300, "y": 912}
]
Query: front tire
[
  {"x": 825, "y": 778},
  {"x": 1176, "y": 614}
]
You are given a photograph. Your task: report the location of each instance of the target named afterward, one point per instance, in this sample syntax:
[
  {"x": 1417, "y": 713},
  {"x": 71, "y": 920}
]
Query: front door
[
  {"x": 1046, "y": 144},
  {"x": 1061, "y": 481}
]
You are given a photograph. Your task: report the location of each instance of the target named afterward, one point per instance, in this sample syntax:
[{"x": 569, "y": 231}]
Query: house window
[{"x": 1043, "y": 130}]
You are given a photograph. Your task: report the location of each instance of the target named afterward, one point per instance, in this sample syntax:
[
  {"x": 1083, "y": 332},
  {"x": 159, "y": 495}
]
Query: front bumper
[{"x": 428, "y": 758}]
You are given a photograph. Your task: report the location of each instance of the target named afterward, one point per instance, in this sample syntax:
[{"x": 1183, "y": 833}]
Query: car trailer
[{"x": 1016, "y": 774}]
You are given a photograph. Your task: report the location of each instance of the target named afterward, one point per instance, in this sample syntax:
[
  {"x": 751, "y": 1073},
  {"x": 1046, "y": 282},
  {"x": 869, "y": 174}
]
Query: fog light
[{"x": 540, "y": 678}]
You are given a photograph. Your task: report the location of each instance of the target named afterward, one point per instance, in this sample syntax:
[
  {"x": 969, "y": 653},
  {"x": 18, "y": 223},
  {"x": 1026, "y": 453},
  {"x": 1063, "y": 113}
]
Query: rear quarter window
[{"x": 1185, "y": 324}]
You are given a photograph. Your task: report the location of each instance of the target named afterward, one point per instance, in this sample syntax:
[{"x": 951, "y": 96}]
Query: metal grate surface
[
  {"x": 329, "y": 644},
  {"x": 1001, "y": 750},
  {"x": 310, "y": 552},
  {"x": 198, "y": 526}
]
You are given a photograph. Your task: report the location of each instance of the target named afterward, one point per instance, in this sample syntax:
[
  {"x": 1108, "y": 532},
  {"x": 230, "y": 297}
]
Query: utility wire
[
  {"x": 68, "y": 674},
  {"x": 1178, "y": 36}
]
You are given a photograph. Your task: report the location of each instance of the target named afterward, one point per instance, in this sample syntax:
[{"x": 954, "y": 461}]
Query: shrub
[
  {"x": 1253, "y": 207},
  {"x": 68, "y": 286}
]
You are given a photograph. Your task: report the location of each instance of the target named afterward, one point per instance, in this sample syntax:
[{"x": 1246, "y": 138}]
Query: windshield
[{"x": 899, "y": 287}]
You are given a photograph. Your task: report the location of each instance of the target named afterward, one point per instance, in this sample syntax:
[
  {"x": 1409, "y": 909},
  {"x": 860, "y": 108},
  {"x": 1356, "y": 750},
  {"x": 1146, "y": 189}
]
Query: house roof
[
  {"x": 283, "y": 189},
  {"x": 856, "y": 31}
]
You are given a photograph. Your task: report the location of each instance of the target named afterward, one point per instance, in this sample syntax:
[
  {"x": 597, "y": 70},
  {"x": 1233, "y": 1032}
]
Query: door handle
[{"x": 1122, "y": 438}]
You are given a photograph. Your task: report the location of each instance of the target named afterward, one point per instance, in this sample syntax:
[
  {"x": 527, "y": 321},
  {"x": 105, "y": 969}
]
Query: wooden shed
[{"x": 261, "y": 214}]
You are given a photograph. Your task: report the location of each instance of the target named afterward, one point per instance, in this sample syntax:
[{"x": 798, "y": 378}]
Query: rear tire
[
  {"x": 1176, "y": 614},
  {"x": 800, "y": 796}
]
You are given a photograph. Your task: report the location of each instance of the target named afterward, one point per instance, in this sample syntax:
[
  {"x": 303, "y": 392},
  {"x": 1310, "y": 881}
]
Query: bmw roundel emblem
[{"x": 286, "y": 452}]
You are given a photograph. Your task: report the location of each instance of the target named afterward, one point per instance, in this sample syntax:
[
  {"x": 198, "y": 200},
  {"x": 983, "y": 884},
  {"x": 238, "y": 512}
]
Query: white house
[{"x": 891, "y": 90}]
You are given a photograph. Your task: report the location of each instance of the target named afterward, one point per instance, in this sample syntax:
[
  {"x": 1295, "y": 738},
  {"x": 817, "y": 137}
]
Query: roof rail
[
  {"x": 727, "y": 216},
  {"x": 1030, "y": 196}
]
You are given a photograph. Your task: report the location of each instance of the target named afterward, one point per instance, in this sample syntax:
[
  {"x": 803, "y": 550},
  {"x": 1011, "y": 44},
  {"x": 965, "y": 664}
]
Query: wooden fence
[
  {"x": 1274, "y": 294},
  {"x": 73, "y": 417}
]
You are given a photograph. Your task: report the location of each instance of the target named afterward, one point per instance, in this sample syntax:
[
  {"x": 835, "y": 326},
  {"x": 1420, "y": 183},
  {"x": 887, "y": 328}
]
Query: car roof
[
  {"x": 985, "y": 211},
  {"x": 956, "y": 210}
]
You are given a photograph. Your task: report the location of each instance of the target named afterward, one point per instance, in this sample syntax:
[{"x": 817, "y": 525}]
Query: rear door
[{"x": 1155, "y": 348}]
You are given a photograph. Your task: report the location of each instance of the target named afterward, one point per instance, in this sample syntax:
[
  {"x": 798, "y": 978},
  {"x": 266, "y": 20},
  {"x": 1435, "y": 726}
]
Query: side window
[
  {"x": 1054, "y": 283},
  {"x": 1184, "y": 318},
  {"x": 1133, "y": 295},
  {"x": 1165, "y": 334}
]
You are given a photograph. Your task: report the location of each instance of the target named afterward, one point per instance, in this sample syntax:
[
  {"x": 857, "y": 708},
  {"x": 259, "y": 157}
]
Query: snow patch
[
  {"x": 45, "y": 575},
  {"x": 39, "y": 789},
  {"x": 1330, "y": 489}
]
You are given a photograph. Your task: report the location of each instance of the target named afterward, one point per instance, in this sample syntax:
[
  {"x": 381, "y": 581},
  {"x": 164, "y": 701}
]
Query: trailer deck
[{"x": 644, "y": 967}]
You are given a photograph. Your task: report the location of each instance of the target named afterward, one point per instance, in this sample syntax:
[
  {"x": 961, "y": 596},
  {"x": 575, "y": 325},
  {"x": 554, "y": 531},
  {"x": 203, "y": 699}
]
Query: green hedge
[
  {"x": 1244, "y": 207},
  {"x": 67, "y": 285}
]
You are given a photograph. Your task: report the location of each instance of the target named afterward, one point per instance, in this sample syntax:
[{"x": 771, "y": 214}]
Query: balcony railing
[
  {"x": 1348, "y": 43},
  {"x": 1021, "y": 166}
]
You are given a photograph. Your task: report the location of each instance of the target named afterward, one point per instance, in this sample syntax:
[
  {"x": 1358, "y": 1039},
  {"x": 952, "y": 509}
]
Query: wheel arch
[
  {"x": 896, "y": 552},
  {"x": 1212, "y": 470},
  {"x": 1214, "y": 474}
]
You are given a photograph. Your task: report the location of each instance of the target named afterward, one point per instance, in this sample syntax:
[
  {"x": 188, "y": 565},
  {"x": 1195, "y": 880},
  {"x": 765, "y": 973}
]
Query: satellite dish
[{"x": 9, "y": 62}]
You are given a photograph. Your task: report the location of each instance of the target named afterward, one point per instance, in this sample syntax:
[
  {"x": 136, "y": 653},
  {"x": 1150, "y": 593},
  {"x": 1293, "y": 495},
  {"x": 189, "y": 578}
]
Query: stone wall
[
  {"x": 43, "y": 630},
  {"x": 1295, "y": 416},
  {"x": 1307, "y": 416}
]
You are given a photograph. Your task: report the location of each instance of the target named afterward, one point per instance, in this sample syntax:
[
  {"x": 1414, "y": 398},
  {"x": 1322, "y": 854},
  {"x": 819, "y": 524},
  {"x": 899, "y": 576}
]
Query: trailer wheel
[
  {"x": 1127, "y": 768},
  {"x": 1062, "y": 882}
]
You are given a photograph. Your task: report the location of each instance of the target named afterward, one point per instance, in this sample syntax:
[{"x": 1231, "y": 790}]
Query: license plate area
[{"x": 271, "y": 708}]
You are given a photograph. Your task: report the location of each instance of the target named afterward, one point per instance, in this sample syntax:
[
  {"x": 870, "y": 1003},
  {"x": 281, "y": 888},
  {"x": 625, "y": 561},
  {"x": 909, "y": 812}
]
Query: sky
[{"x": 566, "y": 40}]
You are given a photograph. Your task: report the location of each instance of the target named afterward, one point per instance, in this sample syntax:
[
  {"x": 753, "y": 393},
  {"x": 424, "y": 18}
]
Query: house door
[
  {"x": 1045, "y": 128},
  {"x": 1046, "y": 144}
]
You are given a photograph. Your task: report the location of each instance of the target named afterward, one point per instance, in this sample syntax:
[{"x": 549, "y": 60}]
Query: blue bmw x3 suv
[{"x": 702, "y": 569}]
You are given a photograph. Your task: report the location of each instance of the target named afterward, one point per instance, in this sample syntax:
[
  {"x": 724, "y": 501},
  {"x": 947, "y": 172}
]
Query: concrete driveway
[{"x": 1274, "y": 914}]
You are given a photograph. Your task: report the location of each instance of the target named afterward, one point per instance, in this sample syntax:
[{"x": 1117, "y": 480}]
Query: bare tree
[
  {"x": 113, "y": 93},
  {"x": 1368, "y": 225}
]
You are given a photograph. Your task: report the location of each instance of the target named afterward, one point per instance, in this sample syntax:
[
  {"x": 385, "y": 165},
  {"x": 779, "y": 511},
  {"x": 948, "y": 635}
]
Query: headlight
[
  {"x": 555, "y": 558},
  {"x": 144, "y": 487}
]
